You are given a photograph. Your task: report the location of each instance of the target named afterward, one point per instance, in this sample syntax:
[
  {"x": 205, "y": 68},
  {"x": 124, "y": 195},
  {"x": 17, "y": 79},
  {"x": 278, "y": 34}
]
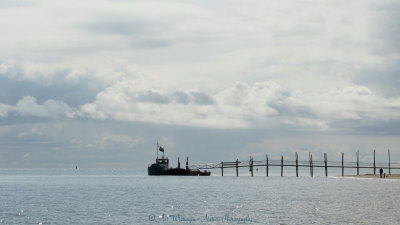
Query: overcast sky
[{"x": 96, "y": 83}]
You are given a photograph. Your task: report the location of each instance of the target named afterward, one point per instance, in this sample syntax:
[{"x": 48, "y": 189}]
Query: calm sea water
[{"x": 50, "y": 196}]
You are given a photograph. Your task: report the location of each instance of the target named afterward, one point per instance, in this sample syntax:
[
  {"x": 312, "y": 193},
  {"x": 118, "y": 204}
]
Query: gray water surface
[{"x": 50, "y": 196}]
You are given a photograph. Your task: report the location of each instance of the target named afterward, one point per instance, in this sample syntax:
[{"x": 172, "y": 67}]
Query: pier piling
[
  {"x": 237, "y": 167},
  {"x": 222, "y": 168},
  {"x": 266, "y": 166},
  {"x": 358, "y": 163},
  {"x": 389, "y": 159},
  {"x": 251, "y": 165},
  {"x": 342, "y": 164},
  {"x": 311, "y": 164},
  {"x": 297, "y": 164},
  {"x": 326, "y": 163},
  {"x": 374, "y": 163}
]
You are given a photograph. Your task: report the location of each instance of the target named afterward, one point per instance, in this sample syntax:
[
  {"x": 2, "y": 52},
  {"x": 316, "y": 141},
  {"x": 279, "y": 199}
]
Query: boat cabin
[{"x": 162, "y": 161}]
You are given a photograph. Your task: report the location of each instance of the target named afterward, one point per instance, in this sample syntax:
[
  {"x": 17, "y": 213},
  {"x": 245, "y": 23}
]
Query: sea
[{"x": 106, "y": 196}]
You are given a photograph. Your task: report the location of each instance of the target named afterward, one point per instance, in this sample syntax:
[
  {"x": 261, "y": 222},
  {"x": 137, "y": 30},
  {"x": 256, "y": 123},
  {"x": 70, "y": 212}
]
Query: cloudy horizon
[{"x": 98, "y": 83}]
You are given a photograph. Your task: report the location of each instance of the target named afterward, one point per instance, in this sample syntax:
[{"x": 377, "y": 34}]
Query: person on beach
[{"x": 381, "y": 172}]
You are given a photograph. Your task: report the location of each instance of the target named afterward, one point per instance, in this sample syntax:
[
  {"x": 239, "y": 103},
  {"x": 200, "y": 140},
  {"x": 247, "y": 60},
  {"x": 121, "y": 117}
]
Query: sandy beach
[{"x": 392, "y": 176}]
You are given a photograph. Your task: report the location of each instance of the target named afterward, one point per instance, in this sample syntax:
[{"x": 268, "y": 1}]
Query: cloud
[
  {"x": 388, "y": 26},
  {"x": 180, "y": 97},
  {"x": 126, "y": 92},
  {"x": 66, "y": 143},
  {"x": 383, "y": 79},
  {"x": 28, "y": 107},
  {"x": 151, "y": 96},
  {"x": 195, "y": 72},
  {"x": 123, "y": 27},
  {"x": 73, "y": 85},
  {"x": 4, "y": 110},
  {"x": 132, "y": 100},
  {"x": 242, "y": 106}
]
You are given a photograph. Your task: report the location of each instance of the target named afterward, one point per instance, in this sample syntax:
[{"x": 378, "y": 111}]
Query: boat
[{"x": 161, "y": 167}]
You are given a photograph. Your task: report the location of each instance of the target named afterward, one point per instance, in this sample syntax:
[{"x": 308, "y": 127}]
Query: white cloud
[
  {"x": 4, "y": 110},
  {"x": 206, "y": 46},
  {"x": 28, "y": 106},
  {"x": 130, "y": 93},
  {"x": 326, "y": 66},
  {"x": 240, "y": 106}
]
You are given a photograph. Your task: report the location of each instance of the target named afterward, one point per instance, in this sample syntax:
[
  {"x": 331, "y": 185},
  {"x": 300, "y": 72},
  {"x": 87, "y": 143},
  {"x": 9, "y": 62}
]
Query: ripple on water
[{"x": 102, "y": 197}]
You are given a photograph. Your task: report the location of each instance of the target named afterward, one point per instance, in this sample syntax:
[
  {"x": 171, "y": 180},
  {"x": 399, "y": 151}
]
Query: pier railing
[{"x": 296, "y": 163}]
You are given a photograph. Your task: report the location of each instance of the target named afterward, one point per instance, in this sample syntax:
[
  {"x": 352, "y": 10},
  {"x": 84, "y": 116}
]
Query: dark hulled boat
[{"x": 161, "y": 168}]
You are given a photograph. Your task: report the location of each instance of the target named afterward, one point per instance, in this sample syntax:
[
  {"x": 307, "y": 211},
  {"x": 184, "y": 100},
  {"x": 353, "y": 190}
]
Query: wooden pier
[{"x": 282, "y": 163}]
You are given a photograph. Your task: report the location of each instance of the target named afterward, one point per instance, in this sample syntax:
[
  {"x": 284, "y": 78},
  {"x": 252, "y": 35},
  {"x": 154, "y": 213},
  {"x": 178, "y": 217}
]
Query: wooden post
[
  {"x": 389, "y": 160},
  {"x": 374, "y": 163},
  {"x": 358, "y": 164},
  {"x": 342, "y": 164},
  {"x": 282, "y": 166},
  {"x": 222, "y": 168},
  {"x": 237, "y": 167},
  {"x": 311, "y": 165},
  {"x": 251, "y": 165},
  {"x": 267, "y": 166},
  {"x": 326, "y": 163},
  {"x": 297, "y": 164}
]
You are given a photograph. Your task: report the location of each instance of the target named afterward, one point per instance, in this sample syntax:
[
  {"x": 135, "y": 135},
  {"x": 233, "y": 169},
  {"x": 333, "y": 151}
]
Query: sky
[{"x": 96, "y": 83}]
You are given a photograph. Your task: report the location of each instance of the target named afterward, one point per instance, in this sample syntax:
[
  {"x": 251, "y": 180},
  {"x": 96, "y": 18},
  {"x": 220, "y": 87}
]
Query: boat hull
[{"x": 157, "y": 170}]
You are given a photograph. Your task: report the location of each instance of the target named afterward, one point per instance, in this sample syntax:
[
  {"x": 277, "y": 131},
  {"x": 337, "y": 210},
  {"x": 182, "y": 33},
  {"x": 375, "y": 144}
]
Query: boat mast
[{"x": 157, "y": 150}]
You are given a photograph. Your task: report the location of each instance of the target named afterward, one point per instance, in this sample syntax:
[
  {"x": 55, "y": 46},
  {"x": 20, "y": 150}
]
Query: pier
[{"x": 324, "y": 164}]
